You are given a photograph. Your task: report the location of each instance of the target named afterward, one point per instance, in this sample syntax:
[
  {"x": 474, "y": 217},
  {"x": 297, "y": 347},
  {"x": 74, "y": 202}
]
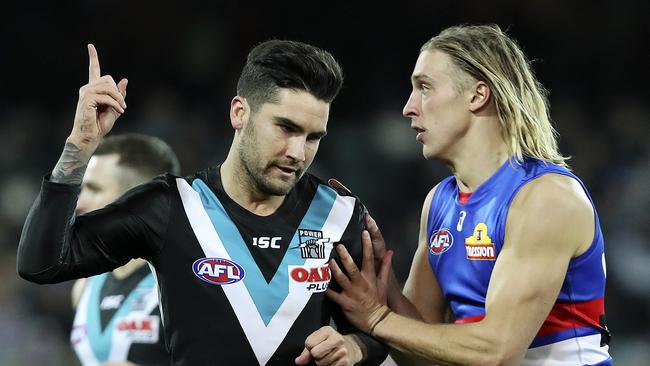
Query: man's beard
[{"x": 259, "y": 175}]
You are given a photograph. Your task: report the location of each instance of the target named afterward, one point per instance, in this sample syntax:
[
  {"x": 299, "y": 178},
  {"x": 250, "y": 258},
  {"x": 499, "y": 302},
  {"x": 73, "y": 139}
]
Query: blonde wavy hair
[{"x": 487, "y": 54}]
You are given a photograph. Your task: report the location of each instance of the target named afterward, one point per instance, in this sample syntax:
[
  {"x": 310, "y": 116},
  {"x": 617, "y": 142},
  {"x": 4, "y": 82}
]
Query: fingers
[
  {"x": 372, "y": 227},
  {"x": 332, "y": 357},
  {"x": 339, "y": 276},
  {"x": 105, "y": 86},
  {"x": 118, "y": 91},
  {"x": 102, "y": 100},
  {"x": 338, "y": 298},
  {"x": 368, "y": 264},
  {"x": 318, "y": 336},
  {"x": 348, "y": 263},
  {"x": 121, "y": 87},
  {"x": 94, "y": 72},
  {"x": 304, "y": 357},
  {"x": 384, "y": 270},
  {"x": 314, "y": 345},
  {"x": 326, "y": 345},
  {"x": 378, "y": 243}
]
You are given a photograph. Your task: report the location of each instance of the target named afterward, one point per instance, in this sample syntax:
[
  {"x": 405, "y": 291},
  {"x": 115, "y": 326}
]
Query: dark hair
[
  {"x": 295, "y": 65},
  {"x": 148, "y": 155}
]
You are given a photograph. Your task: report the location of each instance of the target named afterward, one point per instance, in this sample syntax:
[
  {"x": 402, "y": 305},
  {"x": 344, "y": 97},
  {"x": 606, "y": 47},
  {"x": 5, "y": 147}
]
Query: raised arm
[
  {"x": 56, "y": 246},
  {"x": 101, "y": 102}
]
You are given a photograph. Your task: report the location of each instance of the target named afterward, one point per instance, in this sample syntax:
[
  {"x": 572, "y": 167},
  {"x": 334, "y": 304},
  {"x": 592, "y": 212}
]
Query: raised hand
[{"x": 101, "y": 102}]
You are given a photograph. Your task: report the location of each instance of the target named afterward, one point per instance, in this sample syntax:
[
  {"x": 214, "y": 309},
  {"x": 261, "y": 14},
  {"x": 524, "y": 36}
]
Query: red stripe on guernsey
[
  {"x": 573, "y": 315},
  {"x": 563, "y": 316},
  {"x": 463, "y": 197}
]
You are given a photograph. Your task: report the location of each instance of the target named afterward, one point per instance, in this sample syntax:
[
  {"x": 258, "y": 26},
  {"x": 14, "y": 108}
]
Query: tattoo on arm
[{"x": 71, "y": 166}]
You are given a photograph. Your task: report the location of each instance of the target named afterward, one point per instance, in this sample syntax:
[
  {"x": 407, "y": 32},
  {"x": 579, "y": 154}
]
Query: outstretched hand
[
  {"x": 363, "y": 295},
  {"x": 101, "y": 102}
]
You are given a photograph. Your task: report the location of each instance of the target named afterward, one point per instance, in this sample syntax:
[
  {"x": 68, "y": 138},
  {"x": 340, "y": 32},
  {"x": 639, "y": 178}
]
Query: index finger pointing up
[{"x": 93, "y": 69}]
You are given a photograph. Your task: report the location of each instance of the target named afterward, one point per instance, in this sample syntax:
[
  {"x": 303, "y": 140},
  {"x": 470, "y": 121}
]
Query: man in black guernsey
[
  {"x": 117, "y": 318},
  {"x": 240, "y": 250}
]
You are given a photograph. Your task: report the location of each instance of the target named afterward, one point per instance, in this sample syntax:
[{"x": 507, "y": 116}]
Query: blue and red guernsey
[{"x": 465, "y": 235}]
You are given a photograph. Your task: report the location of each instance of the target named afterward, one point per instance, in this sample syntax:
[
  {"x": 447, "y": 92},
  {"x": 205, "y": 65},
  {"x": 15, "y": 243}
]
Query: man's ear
[
  {"x": 480, "y": 96},
  {"x": 239, "y": 112}
]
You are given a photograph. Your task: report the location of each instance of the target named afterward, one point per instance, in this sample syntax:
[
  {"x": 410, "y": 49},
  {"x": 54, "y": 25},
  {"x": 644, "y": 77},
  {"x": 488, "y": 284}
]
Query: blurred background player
[
  {"x": 117, "y": 320},
  {"x": 510, "y": 244}
]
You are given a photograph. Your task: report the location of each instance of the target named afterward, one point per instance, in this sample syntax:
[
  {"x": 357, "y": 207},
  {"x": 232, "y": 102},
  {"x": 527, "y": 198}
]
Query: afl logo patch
[
  {"x": 218, "y": 271},
  {"x": 440, "y": 242}
]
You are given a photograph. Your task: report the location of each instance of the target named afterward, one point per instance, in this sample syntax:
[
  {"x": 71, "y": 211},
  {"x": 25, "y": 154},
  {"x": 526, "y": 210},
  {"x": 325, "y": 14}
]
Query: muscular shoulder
[
  {"x": 553, "y": 194},
  {"x": 556, "y": 207}
]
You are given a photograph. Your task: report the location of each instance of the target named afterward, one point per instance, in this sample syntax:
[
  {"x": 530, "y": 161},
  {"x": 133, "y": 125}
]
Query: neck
[
  {"x": 128, "y": 269},
  {"x": 481, "y": 153},
  {"x": 239, "y": 186}
]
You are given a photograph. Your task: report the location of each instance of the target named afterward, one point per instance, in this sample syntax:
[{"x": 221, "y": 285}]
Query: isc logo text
[{"x": 267, "y": 242}]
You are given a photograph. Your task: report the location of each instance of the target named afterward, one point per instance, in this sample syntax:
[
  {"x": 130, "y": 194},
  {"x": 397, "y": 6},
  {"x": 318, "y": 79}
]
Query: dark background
[{"x": 183, "y": 59}]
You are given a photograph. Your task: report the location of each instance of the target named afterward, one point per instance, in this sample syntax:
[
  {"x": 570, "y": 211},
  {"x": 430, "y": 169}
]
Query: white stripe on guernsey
[
  {"x": 264, "y": 340},
  {"x": 575, "y": 351},
  {"x": 83, "y": 349}
]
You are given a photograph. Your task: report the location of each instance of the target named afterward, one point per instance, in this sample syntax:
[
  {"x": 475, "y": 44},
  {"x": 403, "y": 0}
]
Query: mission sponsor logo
[
  {"x": 479, "y": 245},
  {"x": 218, "y": 271},
  {"x": 311, "y": 279},
  {"x": 312, "y": 244},
  {"x": 440, "y": 242}
]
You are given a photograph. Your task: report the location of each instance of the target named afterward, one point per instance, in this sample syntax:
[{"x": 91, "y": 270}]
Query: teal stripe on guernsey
[
  {"x": 101, "y": 341},
  {"x": 267, "y": 296}
]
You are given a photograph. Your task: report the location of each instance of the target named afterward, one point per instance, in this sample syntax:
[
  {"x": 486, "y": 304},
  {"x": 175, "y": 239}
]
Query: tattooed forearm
[{"x": 71, "y": 166}]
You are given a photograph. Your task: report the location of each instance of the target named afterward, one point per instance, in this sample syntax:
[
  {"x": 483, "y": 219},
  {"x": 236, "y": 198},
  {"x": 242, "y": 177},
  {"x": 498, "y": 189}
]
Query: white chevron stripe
[{"x": 264, "y": 340}]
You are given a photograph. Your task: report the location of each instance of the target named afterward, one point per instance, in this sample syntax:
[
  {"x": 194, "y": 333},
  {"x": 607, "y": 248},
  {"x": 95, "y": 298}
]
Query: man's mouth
[{"x": 286, "y": 170}]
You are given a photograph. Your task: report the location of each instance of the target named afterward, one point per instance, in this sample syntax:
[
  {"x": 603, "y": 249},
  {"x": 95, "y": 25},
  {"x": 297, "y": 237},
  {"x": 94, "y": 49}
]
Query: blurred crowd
[{"x": 183, "y": 64}]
